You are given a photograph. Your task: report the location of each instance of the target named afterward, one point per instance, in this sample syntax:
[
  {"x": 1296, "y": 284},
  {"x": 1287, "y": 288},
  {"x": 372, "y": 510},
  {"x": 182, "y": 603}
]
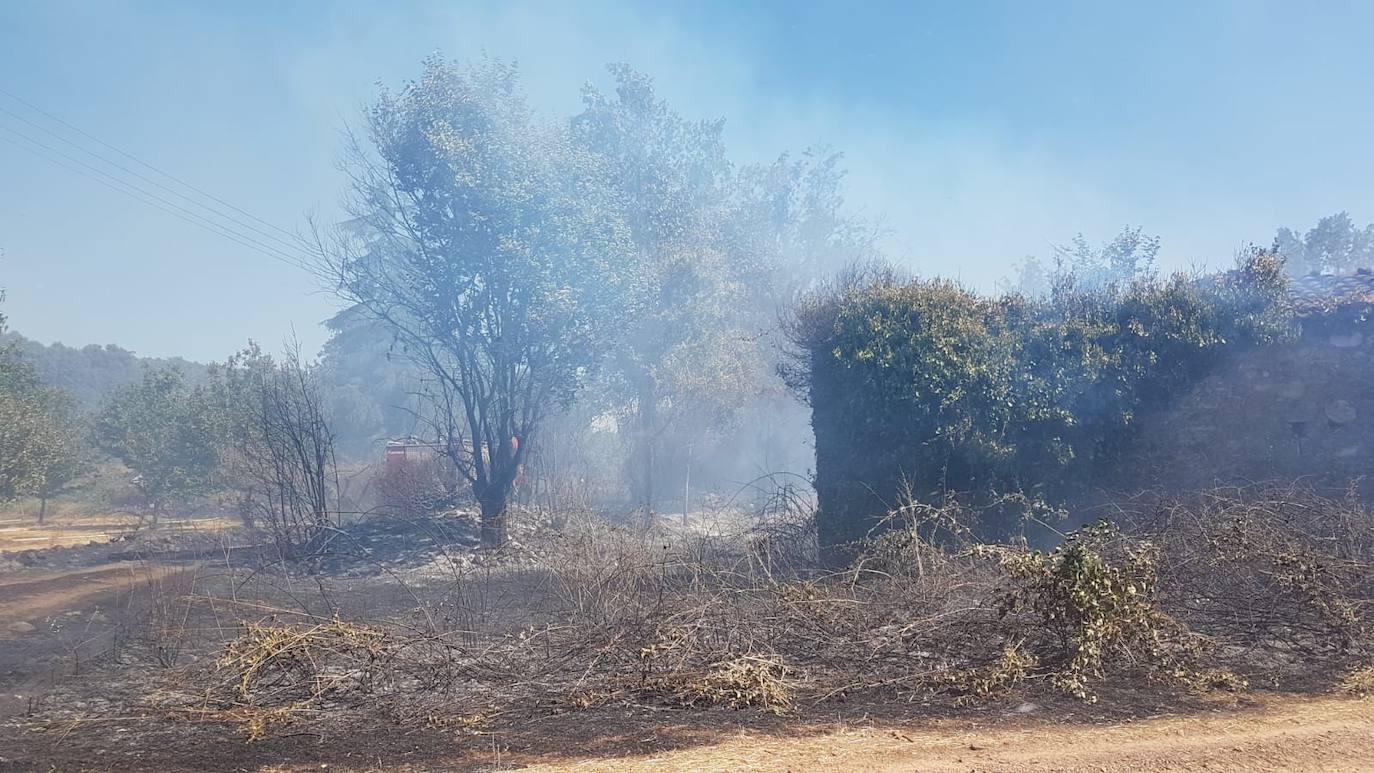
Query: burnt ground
[
  {"x": 106, "y": 651},
  {"x": 388, "y": 543}
]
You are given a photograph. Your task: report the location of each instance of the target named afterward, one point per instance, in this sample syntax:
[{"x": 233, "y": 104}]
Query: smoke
[
  {"x": 976, "y": 136},
  {"x": 963, "y": 191},
  {"x": 954, "y": 199}
]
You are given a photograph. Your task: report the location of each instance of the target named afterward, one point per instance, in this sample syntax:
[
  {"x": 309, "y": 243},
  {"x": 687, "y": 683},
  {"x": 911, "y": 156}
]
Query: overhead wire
[
  {"x": 140, "y": 161},
  {"x": 130, "y": 191},
  {"x": 233, "y": 228},
  {"x": 151, "y": 181}
]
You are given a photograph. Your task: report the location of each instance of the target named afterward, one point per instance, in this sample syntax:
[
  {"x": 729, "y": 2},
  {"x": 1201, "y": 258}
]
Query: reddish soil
[{"x": 1292, "y": 734}]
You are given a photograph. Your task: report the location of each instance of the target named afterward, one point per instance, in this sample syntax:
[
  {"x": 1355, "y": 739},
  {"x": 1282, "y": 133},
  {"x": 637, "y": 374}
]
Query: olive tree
[
  {"x": 42, "y": 442},
  {"x": 717, "y": 253},
  {"x": 166, "y": 433},
  {"x": 29, "y": 441},
  {"x": 70, "y": 457},
  {"x": 490, "y": 247},
  {"x": 683, "y": 364}
]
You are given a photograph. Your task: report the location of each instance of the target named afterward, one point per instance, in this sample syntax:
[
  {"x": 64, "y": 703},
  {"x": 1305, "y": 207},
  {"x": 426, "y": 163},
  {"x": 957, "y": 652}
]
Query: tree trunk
[
  {"x": 686, "y": 488},
  {"x": 493, "y": 522},
  {"x": 648, "y": 417},
  {"x": 42, "y": 509}
]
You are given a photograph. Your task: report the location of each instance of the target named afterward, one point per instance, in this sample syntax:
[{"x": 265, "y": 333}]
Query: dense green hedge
[{"x": 923, "y": 384}]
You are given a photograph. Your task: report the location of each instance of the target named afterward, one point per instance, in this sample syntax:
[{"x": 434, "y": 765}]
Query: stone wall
[{"x": 1298, "y": 410}]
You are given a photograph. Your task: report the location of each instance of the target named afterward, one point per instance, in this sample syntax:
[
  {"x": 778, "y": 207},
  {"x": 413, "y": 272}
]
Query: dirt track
[
  {"x": 68, "y": 620},
  {"x": 34, "y": 596},
  {"x": 1296, "y": 734}
]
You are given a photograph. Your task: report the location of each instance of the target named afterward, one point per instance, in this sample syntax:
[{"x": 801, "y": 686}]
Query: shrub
[
  {"x": 1095, "y": 595},
  {"x": 420, "y": 487}
]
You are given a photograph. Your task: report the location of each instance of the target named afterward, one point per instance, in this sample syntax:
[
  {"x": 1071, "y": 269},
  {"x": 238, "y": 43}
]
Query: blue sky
[{"x": 978, "y": 132}]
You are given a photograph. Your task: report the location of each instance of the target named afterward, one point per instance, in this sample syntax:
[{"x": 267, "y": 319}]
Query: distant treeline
[
  {"x": 90, "y": 373},
  {"x": 368, "y": 390}
]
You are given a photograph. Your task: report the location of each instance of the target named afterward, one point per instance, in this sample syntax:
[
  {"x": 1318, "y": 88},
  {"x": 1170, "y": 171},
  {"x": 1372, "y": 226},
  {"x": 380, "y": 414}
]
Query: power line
[
  {"x": 143, "y": 163},
  {"x": 212, "y": 228},
  {"x": 263, "y": 247},
  {"x": 151, "y": 181},
  {"x": 129, "y": 191}
]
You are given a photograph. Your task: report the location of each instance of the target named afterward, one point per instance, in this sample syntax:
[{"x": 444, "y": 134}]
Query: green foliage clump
[
  {"x": 166, "y": 433},
  {"x": 923, "y": 385},
  {"x": 1095, "y": 596},
  {"x": 29, "y": 440}
]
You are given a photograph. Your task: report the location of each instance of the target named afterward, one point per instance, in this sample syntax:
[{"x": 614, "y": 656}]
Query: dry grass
[
  {"x": 1218, "y": 593},
  {"x": 743, "y": 682},
  {"x": 80, "y": 528},
  {"x": 1360, "y": 681}
]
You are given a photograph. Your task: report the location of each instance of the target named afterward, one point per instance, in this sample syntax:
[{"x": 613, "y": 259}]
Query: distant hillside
[{"x": 91, "y": 372}]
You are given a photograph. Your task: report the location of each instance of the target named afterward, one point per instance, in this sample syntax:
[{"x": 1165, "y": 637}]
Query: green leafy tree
[
  {"x": 718, "y": 251},
  {"x": 166, "y": 433},
  {"x": 40, "y": 448},
  {"x": 72, "y": 455},
  {"x": 488, "y": 244},
  {"x": 1333, "y": 245},
  {"x": 789, "y": 225},
  {"x": 684, "y": 362},
  {"x": 30, "y": 444}
]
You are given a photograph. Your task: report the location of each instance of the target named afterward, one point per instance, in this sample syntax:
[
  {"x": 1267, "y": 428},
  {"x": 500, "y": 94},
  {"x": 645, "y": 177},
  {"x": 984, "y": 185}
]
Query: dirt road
[
  {"x": 31, "y": 597},
  {"x": 53, "y": 621},
  {"x": 1327, "y": 734},
  {"x": 25, "y": 534}
]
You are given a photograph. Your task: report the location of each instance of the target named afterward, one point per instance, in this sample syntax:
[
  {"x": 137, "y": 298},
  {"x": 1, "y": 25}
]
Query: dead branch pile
[{"x": 1280, "y": 579}]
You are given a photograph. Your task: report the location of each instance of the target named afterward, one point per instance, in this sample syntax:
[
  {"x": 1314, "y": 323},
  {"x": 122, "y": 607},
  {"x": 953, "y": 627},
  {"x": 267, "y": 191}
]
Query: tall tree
[
  {"x": 681, "y": 363},
  {"x": 40, "y": 449},
  {"x": 718, "y": 252},
  {"x": 488, "y": 244},
  {"x": 166, "y": 432},
  {"x": 789, "y": 226}
]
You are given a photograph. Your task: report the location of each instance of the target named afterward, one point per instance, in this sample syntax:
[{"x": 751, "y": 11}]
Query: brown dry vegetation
[{"x": 597, "y": 642}]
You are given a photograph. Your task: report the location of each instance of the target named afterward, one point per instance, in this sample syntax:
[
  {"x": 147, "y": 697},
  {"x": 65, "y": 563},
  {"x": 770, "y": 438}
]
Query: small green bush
[{"x": 1094, "y": 596}]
